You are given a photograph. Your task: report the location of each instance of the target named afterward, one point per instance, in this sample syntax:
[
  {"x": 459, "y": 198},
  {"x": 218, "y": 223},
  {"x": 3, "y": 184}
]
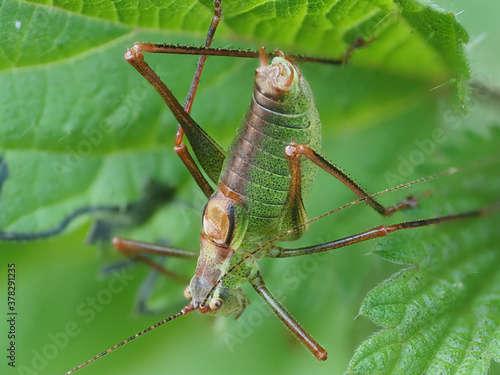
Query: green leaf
[
  {"x": 85, "y": 141},
  {"x": 441, "y": 315}
]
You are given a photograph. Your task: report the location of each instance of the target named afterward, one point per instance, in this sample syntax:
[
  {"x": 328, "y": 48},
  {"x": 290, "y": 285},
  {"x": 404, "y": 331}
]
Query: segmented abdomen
[{"x": 256, "y": 167}]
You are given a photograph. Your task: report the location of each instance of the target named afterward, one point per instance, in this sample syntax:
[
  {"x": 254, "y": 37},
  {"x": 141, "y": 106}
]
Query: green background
[{"x": 377, "y": 115}]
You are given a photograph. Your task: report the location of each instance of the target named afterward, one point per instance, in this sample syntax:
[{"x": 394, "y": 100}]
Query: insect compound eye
[
  {"x": 187, "y": 293},
  {"x": 215, "y": 304}
]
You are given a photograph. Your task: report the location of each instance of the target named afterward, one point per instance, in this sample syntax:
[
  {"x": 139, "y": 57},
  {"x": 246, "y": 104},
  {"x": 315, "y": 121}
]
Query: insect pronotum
[{"x": 261, "y": 183}]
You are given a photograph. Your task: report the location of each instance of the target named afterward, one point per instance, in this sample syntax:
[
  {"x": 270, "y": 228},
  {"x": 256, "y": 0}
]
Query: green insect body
[
  {"x": 254, "y": 202},
  {"x": 261, "y": 182},
  {"x": 256, "y": 167}
]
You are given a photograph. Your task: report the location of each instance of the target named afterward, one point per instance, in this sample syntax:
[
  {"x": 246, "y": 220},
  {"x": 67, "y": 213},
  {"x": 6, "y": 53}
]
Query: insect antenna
[
  {"x": 495, "y": 207},
  {"x": 186, "y": 310}
]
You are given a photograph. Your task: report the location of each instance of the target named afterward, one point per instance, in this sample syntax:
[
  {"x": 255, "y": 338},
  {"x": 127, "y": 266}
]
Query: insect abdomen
[{"x": 256, "y": 167}]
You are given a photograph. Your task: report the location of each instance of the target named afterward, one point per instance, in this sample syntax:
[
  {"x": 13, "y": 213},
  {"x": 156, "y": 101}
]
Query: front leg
[{"x": 280, "y": 311}]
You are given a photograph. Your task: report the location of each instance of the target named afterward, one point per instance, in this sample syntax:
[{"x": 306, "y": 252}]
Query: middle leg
[
  {"x": 294, "y": 153},
  {"x": 137, "y": 249}
]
